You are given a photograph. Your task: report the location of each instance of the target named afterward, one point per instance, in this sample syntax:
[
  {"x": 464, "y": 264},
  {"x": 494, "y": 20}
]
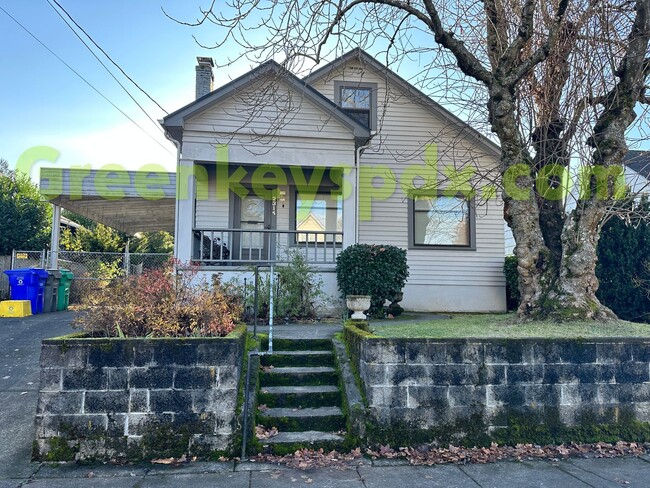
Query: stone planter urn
[{"x": 358, "y": 304}]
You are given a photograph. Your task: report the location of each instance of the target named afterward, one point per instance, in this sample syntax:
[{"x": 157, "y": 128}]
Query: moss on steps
[{"x": 299, "y": 358}]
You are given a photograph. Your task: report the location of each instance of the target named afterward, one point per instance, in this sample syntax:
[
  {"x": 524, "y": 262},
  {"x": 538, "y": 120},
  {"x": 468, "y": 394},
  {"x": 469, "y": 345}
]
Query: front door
[{"x": 253, "y": 216}]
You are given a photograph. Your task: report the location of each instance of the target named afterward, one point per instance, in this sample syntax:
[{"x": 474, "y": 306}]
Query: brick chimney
[{"x": 204, "y": 76}]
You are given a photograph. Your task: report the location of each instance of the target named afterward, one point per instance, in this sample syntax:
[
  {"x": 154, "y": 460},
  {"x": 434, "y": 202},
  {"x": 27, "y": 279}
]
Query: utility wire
[
  {"x": 105, "y": 67},
  {"x": 107, "y": 56},
  {"x": 82, "y": 78}
]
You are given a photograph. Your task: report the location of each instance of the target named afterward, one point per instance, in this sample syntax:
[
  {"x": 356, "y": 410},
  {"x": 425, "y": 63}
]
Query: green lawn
[{"x": 506, "y": 326}]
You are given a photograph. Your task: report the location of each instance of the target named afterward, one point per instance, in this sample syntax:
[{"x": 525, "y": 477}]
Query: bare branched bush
[{"x": 160, "y": 303}]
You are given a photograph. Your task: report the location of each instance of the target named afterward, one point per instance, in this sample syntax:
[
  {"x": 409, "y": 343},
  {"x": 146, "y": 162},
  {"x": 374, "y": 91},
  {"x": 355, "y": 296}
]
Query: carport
[{"x": 129, "y": 201}]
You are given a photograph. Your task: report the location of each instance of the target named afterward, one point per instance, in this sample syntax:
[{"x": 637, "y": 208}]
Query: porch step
[
  {"x": 304, "y": 376},
  {"x": 302, "y": 358},
  {"x": 299, "y": 396},
  {"x": 327, "y": 419}
]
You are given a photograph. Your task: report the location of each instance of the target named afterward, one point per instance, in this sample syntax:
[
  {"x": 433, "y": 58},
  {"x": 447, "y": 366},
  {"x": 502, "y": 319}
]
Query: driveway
[{"x": 19, "y": 377}]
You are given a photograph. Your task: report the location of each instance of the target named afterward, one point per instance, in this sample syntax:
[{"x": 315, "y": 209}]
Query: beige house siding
[
  {"x": 289, "y": 131},
  {"x": 439, "y": 279}
]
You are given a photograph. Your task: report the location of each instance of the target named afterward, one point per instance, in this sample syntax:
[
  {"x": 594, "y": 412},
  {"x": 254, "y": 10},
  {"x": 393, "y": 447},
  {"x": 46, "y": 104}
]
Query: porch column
[
  {"x": 56, "y": 235},
  {"x": 185, "y": 195},
  {"x": 350, "y": 210}
]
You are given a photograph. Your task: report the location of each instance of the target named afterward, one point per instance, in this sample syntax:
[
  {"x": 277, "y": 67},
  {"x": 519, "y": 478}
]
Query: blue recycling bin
[{"x": 28, "y": 284}]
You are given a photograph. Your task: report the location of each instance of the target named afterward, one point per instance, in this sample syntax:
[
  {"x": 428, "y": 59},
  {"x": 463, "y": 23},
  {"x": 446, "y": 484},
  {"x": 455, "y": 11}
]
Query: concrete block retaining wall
[
  {"x": 116, "y": 398},
  {"x": 426, "y": 383}
]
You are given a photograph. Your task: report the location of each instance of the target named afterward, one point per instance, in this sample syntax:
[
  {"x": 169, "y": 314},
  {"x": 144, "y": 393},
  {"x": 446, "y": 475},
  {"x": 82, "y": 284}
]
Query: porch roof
[{"x": 129, "y": 201}]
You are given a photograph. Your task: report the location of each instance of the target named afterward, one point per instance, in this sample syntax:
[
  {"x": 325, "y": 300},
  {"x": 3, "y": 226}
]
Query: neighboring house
[
  {"x": 361, "y": 131},
  {"x": 637, "y": 171}
]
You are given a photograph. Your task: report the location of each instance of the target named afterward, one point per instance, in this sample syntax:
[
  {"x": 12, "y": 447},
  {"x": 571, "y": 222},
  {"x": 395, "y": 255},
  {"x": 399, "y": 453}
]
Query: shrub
[
  {"x": 297, "y": 291},
  {"x": 623, "y": 250},
  {"x": 369, "y": 269},
  {"x": 512, "y": 282},
  {"x": 160, "y": 303}
]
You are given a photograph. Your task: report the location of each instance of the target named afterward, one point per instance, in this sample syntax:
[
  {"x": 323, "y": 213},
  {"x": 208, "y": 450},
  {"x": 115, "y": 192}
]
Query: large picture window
[
  {"x": 441, "y": 221},
  {"x": 318, "y": 213}
]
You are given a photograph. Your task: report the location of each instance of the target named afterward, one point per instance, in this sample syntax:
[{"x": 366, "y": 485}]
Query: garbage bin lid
[
  {"x": 67, "y": 273},
  {"x": 17, "y": 271},
  {"x": 54, "y": 272},
  {"x": 40, "y": 272}
]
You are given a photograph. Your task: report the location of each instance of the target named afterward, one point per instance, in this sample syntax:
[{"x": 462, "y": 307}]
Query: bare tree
[{"x": 558, "y": 83}]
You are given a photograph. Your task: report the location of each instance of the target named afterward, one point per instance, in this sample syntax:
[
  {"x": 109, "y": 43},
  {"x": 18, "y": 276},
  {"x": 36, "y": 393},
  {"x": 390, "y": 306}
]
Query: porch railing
[{"x": 224, "y": 247}]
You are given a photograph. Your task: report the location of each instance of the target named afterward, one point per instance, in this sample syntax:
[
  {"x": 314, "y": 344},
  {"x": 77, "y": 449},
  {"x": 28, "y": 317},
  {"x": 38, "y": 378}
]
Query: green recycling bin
[{"x": 64, "y": 289}]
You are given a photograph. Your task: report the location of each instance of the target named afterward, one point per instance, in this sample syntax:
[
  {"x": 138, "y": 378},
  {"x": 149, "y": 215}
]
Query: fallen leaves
[
  {"x": 427, "y": 455},
  {"x": 174, "y": 461},
  {"x": 482, "y": 455},
  {"x": 262, "y": 432},
  {"x": 310, "y": 458}
]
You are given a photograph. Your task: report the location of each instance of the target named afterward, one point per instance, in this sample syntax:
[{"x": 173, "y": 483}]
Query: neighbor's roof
[
  {"x": 639, "y": 162},
  {"x": 175, "y": 122},
  {"x": 412, "y": 91}
]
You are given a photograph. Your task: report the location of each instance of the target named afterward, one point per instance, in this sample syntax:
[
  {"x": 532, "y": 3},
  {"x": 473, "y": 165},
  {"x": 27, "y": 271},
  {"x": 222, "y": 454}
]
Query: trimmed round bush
[{"x": 371, "y": 269}]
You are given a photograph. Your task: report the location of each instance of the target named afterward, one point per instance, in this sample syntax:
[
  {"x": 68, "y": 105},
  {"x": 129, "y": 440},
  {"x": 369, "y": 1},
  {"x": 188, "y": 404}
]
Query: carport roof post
[
  {"x": 56, "y": 234},
  {"x": 129, "y": 201}
]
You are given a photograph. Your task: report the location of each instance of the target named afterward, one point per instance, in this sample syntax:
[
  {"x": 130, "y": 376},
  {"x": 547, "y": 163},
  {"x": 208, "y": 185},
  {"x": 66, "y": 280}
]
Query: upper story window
[{"x": 358, "y": 100}]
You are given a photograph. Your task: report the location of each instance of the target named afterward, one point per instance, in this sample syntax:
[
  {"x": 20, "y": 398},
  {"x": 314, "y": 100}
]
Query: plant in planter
[
  {"x": 155, "y": 372},
  {"x": 379, "y": 271},
  {"x": 160, "y": 303}
]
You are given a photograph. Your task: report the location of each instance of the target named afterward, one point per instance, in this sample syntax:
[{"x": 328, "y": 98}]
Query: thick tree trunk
[{"x": 557, "y": 266}]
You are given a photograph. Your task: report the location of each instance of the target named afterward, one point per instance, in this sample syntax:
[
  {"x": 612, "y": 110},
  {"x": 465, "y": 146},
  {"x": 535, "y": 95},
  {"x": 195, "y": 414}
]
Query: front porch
[{"x": 259, "y": 220}]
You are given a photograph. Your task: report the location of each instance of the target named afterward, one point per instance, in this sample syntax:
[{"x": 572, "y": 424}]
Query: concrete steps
[
  {"x": 298, "y": 376},
  {"x": 299, "y": 395}
]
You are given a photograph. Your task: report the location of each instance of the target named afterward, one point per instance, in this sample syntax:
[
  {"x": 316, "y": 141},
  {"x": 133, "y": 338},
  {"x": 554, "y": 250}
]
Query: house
[
  {"x": 637, "y": 171},
  {"x": 270, "y": 164}
]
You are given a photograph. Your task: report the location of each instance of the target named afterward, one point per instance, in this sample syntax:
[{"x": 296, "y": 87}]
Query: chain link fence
[
  {"x": 5, "y": 263},
  {"x": 92, "y": 270},
  {"x": 28, "y": 259}
]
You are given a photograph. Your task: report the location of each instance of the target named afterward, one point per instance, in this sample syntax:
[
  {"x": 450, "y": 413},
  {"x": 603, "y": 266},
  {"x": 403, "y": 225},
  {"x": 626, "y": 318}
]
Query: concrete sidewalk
[
  {"x": 629, "y": 471},
  {"x": 19, "y": 377}
]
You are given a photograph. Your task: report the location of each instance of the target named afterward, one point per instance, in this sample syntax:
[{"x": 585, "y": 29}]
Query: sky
[{"x": 42, "y": 102}]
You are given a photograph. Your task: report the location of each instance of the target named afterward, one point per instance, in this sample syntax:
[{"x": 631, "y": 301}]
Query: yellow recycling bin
[{"x": 15, "y": 308}]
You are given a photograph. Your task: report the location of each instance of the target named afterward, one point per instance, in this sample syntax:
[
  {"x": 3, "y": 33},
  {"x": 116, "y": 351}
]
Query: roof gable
[
  {"x": 175, "y": 122},
  {"x": 412, "y": 91}
]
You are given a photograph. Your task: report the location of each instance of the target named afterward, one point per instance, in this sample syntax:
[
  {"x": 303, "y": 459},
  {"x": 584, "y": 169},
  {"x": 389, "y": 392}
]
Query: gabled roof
[
  {"x": 411, "y": 90},
  {"x": 639, "y": 162},
  {"x": 174, "y": 122}
]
